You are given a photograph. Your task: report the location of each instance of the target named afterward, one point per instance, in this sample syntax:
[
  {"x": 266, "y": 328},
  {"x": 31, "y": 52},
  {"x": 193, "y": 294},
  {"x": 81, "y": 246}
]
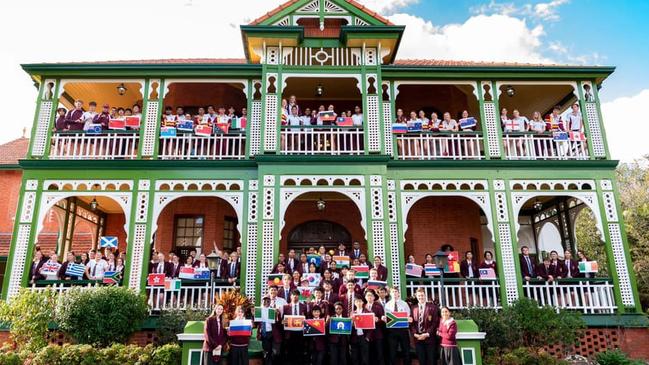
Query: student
[
  {"x": 70, "y": 259},
  {"x": 137, "y": 111},
  {"x": 214, "y": 337},
  {"x": 397, "y": 337},
  {"x": 201, "y": 263},
  {"x": 238, "y": 344},
  {"x": 381, "y": 270},
  {"x": 348, "y": 297},
  {"x": 447, "y": 330},
  {"x": 360, "y": 339},
  {"x": 265, "y": 334},
  {"x": 356, "y": 250},
  {"x": 103, "y": 118},
  {"x": 296, "y": 279},
  {"x": 425, "y": 122},
  {"x": 60, "y": 124},
  {"x": 96, "y": 267},
  {"x": 74, "y": 117},
  {"x": 521, "y": 123},
  {"x": 554, "y": 270},
  {"x": 428, "y": 259},
  {"x": 88, "y": 116},
  {"x": 120, "y": 265},
  {"x": 287, "y": 287},
  {"x": 317, "y": 344},
  {"x": 582, "y": 258},
  {"x": 465, "y": 115},
  {"x": 234, "y": 268},
  {"x": 411, "y": 259},
  {"x": 342, "y": 250},
  {"x": 555, "y": 120},
  {"x": 161, "y": 267},
  {"x": 112, "y": 264},
  {"x": 504, "y": 119},
  {"x": 292, "y": 103},
  {"x": 35, "y": 269},
  {"x": 318, "y": 301},
  {"x": 573, "y": 119},
  {"x": 357, "y": 117},
  {"x": 174, "y": 267},
  {"x": 468, "y": 267},
  {"x": 350, "y": 277},
  {"x": 537, "y": 124},
  {"x": 294, "y": 340},
  {"x": 489, "y": 262},
  {"x": 291, "y": 262},
  {"x": 338, "y": 344},
  {"x": 543, "y": 271},
  {"x": 303, "y": 268},
  {"x": 425, "y": 321},
  {"x": 569, "y": 267},
  {"x": 180, "y": 114},
  {"x": 51, "y": 262},
  {"x": 375, "y": 336},
  {"x": 527, "y": 264},
  {"x": 448, "y": 124},
  {"x": 169, "y": 119}
]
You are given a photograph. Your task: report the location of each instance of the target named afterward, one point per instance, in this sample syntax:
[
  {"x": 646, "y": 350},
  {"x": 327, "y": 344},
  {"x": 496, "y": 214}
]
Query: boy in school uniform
[
  {"x": 294, "y": 339},
  {"x": 74, "y": 117},
  {"x": 424, "y": 329}
]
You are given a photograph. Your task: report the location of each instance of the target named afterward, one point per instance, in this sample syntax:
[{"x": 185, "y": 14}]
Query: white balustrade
[
  {"x": 459, "y": 294},
  {"x": 194, "y": 296},
  {"x": 439, "y": 146},
  {"x": 87, "y": 146},
  {"x": 187, "y": 146},
  {"x": 61, "y": 288},
  {"x": 323, "y": 140},
  {"x": 543, "y": 147},
  {"x": 587, "y": 295},
  {"x": 307, "y": 56}
]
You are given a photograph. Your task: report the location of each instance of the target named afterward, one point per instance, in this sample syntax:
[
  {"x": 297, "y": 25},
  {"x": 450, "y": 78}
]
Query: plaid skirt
[{"x": 450, "y": 356}]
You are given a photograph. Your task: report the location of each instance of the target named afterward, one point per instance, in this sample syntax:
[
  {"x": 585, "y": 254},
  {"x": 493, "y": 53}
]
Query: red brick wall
[
  {"x": 10, "y": 190},
  {"x": 115, "y": 227},
  {"x": 435, "y": 221},
  {"x": 213, "y": 209},
  {"x": 343, "y": 212},
  {"x": 632, "y": 341}
]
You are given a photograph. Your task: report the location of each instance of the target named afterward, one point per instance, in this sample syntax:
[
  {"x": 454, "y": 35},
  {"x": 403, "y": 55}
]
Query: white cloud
[
  {"x": 626, "y": 130},
  {"x": 547, "y": 11},
  {"x": 387, "y": 7}
]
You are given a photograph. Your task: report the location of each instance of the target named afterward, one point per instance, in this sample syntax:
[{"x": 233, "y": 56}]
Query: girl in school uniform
[
  {"x": 360, "y": 338},
  {"x": 488, "y": 262},
  {"x": 238, "y": 344},
  {"x": 338, "y": 344},
  {"x": 447, "y": 330},
  {"x": 375, "y": 337},
  {"x": 214, "y": 337},
  {"x": 318, "y": 344}
]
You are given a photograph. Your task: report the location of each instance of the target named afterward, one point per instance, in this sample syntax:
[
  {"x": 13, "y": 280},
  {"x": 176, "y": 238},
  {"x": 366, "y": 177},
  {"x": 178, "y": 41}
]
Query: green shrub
[
  {"x": 167, "y": 355},
  {"x": 615, "y": 357},
  {"x": 10, "y": 358},
  {"x": 28, "y": 315},
  {"x": 522, "y": 356},
  {"x": 49, "y": 355},
  {"x": 101, "y": 316},
  {"x": 172, "y": 322},
  {"x": 117, "y": 354}
]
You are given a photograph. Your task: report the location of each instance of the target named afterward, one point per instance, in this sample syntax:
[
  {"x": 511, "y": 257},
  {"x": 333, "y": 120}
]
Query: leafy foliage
[
  {"x": 231, "y": 299},
  {"x": 28, "y": 315},
  {"x": 172, "y": 322},
  {"x": 615, "y": 357},
  {"x": 589, "y": 239},
  {"x": 116, "y": 354},
  {"x": 523, "y": 356},
  {"x": 167, "y": 354},
  {"x": 102, "y": 316}
]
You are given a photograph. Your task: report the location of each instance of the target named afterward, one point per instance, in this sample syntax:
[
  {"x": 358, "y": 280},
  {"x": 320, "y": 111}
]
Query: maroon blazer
[
  {"x": 464, "y": 269},
  {"x": 333, "y": 297},
  {"x": 555, "y": 269},
  {"x": 296, "y": 264},
  {"x": 166, "y": 269},
  {"x": 301, "y": 268},
  {"x": 342, "y": 291},
  {"x": 72, "y": 120},
  {"x": 345, "y": 301},
  {"x": 544, "y": 272},
  {"x": 215, "y": 334},
  {"x": 274, "y": 271},
  {"x": 525, "y": 270},
  {"x": 574, "y": 268},
  {"x": 377, "y": 333},
  {"x": 325, "y": 308},
  {"x": 175, "y": 271},
  {"x": 285, "y": 294},
  {"x": 383, "y": 272},
  {"x": 431, "y": 321},
  {"x": 484, "y": 265},
  {"x": 34, "y": 270}
]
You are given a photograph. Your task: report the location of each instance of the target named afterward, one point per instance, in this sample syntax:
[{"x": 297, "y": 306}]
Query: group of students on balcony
[
  {"x": 418, "y": 122},
  {"x": 228, "y": 264},
  {"x": 469, "y": 267},
  {"x": 219, "y": 120},
  {"x": 552, "y": 268},
  {"x": 554, "y": 122},
  {"x": 80, "y": 119},
  {"x": 95, "y": 264}
]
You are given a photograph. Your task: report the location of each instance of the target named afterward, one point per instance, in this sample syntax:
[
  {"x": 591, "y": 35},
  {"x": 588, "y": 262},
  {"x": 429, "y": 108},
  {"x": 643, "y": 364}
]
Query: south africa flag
[
  {"x": 112, "y": 277},
  {"x": 396, "y": 320}
]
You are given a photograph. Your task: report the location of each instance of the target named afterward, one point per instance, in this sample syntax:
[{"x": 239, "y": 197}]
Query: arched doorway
[{"x": 318, "y": 233}]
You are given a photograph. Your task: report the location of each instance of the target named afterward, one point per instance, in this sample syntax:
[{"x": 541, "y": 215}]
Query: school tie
[
  {"x": 94, "y": 270},
  {"x": 232, "y": 270},
  {"x": 218, "y": 327},
  {"x": 350, "y": 303},
  {"x": 295, "y": 310},
  {"x": 529, "y": 264},
  {"x": 327, "y": 297},
  {"x": 421, "y": 318}
]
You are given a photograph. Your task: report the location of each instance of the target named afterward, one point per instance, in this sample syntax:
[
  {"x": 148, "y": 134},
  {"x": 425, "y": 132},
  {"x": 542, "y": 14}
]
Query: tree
[
  {"x": 589, "y": 239},
  {"x": 28, "y": 315}
]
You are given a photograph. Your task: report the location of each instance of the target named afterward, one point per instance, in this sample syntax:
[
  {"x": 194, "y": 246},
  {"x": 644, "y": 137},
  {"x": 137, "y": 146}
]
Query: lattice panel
[
  {"x": 501, "y": 207},
  {"x": 370, "y": 57},
  {"x": 507, "y": 258},
  {"x": 270, "y": 125},
  {"x": 491, "y": 121},
  {"x": 268, "y": 240},
  {"x": 272, "y": 55},
  {"x": 392, "y": 207},
  {"x": 42, "y": 128},
  {"x": 377, "y": 203},
  {"x": 609, "y": 207},
  {"x": 395, "y": 269},
  {"x": 378, "y": 239},
  {"x": 255, "y": 128},
  {"x": 619, "y": 257},
  {"x": 251, "y": 259},
  {"x": 142, "y": 207},
  {"x": 27, "y": 211},
  {"x": 387, "y": 127},
  {"x": 19, "y": 262},
  {"x": 374, "y": 135},
  {"x": 596, "y": 138},
  {"x": 552, "y": 184},
  {"x": 252, "y": 207},
  {"x": 137, "y": 256},
  {"x": 150, "y": 124},
  {"x": 269, "y": 203}
]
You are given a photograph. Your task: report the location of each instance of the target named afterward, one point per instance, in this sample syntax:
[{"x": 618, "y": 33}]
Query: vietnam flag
[
  {"x": 314, "y": 327},
  {"x": 364, "y": 321}
]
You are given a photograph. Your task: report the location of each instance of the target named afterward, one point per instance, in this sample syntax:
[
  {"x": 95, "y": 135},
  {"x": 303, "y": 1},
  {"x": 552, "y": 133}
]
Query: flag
[
  {"x": 414, "y": 270},
  {"x": 133, "y": 122},
  {"x": 559, "y": 136},
  {"x": 239, "y": 123},
  {"x": 577, "y": 136},
  {"x": 364, "y": 321},
  {"x": 313, "y": 279},
  {"x": 223, "y": 127},
  {"x": 306, "y": 292},
  {"x": 375, "y": 284},
  {"x": 340, "y": 326},
  {"x": 108, "y": 242},
  {"x": 203, "y": 130},
  {"x": 93, "y": 129},
  {"x": 293, "y": 323},
  {"x": 265, "y": 314},
  {"x": 112, "y": 277},
  {"x": 341, "y": 261},
  {"x": 166, "y": 132},
  {"x": 327, "y": 116},
  {"x": 240, "y": 327},
  {"x": 452, "y": 267},
  {"x": 487, "y": 274},
  {"x": 314, "y": 327},
  {"x": 50, "y": 268},
  {"x": 344, "y": 122},
  {"x": 172, "y": 284},
  {"x": 432, "y": 270},
  {"x": 469, "y": 122},
  {"x": 453, "y": 256},
  {"x": 512, "y": 125},
  {"x": 399, "y": 128},
  {"x": 75, "y": 270},
  {"x": 186, "y": 273},
  {"x": 314, "y": 259},
  {"x": 186, "y": 126},
  {"x": 117, "y": 124},
  {"x": 275, "y": 279},
  {"x": 169, "y": 123},
  {"x": 414, "y": 126},
  {"x": 588, "y": 267},
  {"x": 362, "y": 272},
  {"x": 201, "y": 273},
  {"x": 156, "y": 280},
  {"x": 396, "y": 320}
]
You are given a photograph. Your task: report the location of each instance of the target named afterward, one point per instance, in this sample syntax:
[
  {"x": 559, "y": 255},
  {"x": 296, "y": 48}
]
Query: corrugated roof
[
  {"x": 287, "y": 4},
  {"x": 13, "y": 151},
  {"x": 459, "y": 63}
]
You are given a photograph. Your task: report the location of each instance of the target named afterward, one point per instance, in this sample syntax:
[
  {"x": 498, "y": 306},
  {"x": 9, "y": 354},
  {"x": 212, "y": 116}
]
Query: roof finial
[{"x": 24, "y": 132}]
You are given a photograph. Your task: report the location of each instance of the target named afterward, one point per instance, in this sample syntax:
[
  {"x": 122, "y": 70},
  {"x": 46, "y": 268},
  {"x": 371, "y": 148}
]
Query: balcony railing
[
  {"x": 108, "y": 145},
  {"x": 192, "y": 295},
  {"x": 440, "y": 145},
  {"x": 586, "y": 295},
  {"x": 188, "y": 146},
  {"x": 459, "y": 293},
  {"x": 532, "y": 146},
  {"x": 321, "y": 140}
]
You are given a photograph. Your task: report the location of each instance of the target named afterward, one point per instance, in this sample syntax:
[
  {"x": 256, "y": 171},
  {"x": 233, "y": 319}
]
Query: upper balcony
[{"x": 238, "y": 119}]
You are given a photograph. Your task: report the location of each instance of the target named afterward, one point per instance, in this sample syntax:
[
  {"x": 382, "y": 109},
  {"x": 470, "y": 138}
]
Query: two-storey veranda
[{"x": 398, "y": 195}]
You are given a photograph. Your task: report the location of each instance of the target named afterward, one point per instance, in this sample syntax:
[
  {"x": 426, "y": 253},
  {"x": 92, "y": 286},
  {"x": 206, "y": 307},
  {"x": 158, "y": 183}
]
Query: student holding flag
[
  {"x": 397, "y": 337},
  {"x": 70, "y": 259},
  {"x": 317, "y": 344},
  {"x": 265, "y": 332},
  {"x": 294, "y": 339},
  {"x": 375, "y": 337},
  {"x": 447, "y": 330},
  {"x": 489, "y": 262},
  {"x": 360, "y": 338},
  {"x": 214, "y": 337},
  {"x": 338, "y": 343},
  {"x": 238, "y": 343}
]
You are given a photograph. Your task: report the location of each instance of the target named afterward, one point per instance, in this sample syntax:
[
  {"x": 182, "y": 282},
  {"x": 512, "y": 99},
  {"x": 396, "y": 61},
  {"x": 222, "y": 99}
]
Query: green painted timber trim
[
  {"x": 507, "y": 164},
  {"x": 10, "y": 167},
  {"x": 134, "y": 164},
  {"x": 627, "y": 320},
  {"x": 473, "y": 72},
  {"x": 14, "y": 236},
  {"x": 466, "y": 325},
  {"x": 309, "y": 160}
]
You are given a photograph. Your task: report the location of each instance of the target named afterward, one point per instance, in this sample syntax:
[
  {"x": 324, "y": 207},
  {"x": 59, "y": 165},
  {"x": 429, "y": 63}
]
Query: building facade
[{"x": 271, "y": 187}]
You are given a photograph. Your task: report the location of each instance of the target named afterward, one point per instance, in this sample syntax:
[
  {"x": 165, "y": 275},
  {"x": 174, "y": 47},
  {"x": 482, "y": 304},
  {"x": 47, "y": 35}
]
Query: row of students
[
  {"x": 228, "y": 264},
  {"x": 433, "y": 124},
  {"x": 209, "y": 116},
  {"x": 78, "y": 118},
  {"x": 552, "y": 267},
  {"x": 94, "y": 262},
  {"x": 469, "y": 266},
  {"x": 554, "y": 122},
  {"x": 293, "y": 117}
]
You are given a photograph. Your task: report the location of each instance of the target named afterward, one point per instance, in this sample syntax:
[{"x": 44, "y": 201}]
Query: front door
[{"x": 318, "y": 233}]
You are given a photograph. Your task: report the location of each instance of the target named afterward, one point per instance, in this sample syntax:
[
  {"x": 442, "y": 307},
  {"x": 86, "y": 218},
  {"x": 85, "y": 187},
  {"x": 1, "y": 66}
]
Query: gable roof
[
  {"x": 290, "y": 3},
  {"x": 13, "y": 151}
]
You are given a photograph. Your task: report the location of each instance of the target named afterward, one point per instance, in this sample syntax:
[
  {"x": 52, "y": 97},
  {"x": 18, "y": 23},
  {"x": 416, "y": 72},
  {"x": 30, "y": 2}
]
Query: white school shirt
[
  {"x": 357, "y": 120},
  {"x": 401, "y": 306},
  {"x": 294, "y": 120},
  {"x": 537, "y": 125},
  {"x": 101, "y": 266},
  {"x": 435, "y": 124},
  {"x": 522, "y": 123},
  {"x": 574, "y": 121},
  {"x": 87, "y": 118},
  {"x": 449, "y": 125},
  {"x": 425, "y": 122}
]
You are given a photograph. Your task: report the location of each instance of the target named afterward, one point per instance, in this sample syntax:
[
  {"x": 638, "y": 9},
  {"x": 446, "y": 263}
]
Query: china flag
[{"x": 364, "y": 321}]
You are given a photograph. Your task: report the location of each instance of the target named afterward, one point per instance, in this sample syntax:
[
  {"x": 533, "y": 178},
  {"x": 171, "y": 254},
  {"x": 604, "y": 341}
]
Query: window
[
  {"x": 229, "y": 232},
  {"x": 188, "y": 231}
]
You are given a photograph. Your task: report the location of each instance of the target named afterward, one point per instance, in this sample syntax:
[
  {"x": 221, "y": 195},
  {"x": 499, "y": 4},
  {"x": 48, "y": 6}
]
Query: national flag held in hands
[
  {"x": 156, "y": 280},
  {"x": 314, "y": 327},
  {"x": 341, "y": 261},
  {"x": 414, "y": 270},
  {"x": 487, "y": 274},
  {"x": 306, "y": 292},
  {"x": 340, "y": 326},
  {"x": 375, "y": 284},
  {"x": 112, "y": 277},
  {"x": 265, "y": 314},
  {"x": 362, "y": 272},
  {"x": 364, "y": 321},
  {"x": 75, "y": 270},
  {"x": 201, "y": 274},
  {"x": 588, "y": 267},
  {"x": 313, "y": 279},
  {"x": 432, "y": 270},
  {"x": 108, "y": 242},
  {"x": 314, "y": 259},
  {"x": 186, "y": 273},
  {"x": 240, "y": 327},
  {"x": 396, "y": 320},
  {"x": 172, "y": 284},
  {"x": 293, "y": 323},
  {"x": 274, "y": 279}
]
